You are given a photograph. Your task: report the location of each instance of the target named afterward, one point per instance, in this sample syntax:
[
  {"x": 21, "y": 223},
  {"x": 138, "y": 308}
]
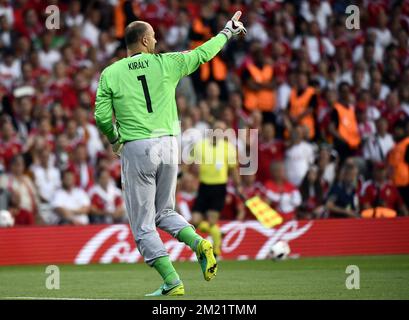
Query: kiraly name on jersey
[{"x": 138, "y": 65}]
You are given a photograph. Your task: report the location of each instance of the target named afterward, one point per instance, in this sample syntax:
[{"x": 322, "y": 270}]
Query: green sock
[
  {"x": 189, "y": 236},
  {"x": 165, "y": 268}
]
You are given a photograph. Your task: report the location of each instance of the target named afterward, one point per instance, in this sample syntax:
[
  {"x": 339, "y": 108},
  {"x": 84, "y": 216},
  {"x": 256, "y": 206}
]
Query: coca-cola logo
[
  {"x": 115, "y": 242},
  {"x": 121, "y": 249},
  {"x": 235, "y": 234}
]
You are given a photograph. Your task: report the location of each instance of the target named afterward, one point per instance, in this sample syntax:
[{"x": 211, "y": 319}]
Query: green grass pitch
[{"x": 381, "y": 277}]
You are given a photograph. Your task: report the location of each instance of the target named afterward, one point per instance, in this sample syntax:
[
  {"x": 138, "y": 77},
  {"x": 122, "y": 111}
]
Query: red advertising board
[{"x": 242, "y": 240}]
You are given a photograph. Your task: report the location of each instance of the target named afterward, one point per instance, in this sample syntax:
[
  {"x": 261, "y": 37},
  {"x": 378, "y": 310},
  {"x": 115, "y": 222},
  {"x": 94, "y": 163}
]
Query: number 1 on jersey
[{"x": 146, "y": 93}]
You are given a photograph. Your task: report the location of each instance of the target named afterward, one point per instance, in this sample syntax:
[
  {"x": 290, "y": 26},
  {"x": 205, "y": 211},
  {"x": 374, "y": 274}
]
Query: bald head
[
  {"x": 134, "y": 32},
  {"x": 140, "y": 37}
]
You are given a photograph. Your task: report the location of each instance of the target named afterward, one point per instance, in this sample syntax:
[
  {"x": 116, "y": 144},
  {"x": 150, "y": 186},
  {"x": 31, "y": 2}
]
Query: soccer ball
[
  {"x": 6, "y": 219},
  {"x": 280, "y": 250}
]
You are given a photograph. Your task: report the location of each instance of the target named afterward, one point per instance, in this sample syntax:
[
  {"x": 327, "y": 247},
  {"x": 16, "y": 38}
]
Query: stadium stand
[{"x": 331, "y": 105}]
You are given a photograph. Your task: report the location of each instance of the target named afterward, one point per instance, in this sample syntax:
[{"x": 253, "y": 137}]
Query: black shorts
[{"x": 210, "y": 197}]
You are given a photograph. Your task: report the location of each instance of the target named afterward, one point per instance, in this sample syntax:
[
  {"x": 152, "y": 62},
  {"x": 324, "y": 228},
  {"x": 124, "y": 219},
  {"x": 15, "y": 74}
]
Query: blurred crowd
[{"x": 331, "y": 104}]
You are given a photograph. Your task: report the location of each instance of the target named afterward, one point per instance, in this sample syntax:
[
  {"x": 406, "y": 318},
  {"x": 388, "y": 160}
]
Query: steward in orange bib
[
  {"x": 344, "y": 126},
  {"x": 302, "y": 105},
  {"x": 399, "y": 163},
  {"x": 398, "y": 160},
  {"x": 259, "y": 93},
  {"x": 215, "y": 69}
]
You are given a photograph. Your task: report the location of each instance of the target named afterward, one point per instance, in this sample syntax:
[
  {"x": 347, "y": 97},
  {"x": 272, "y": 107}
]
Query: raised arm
[
  {"x": 209, "y": 49},
  {"x": 189, "y": 61}
]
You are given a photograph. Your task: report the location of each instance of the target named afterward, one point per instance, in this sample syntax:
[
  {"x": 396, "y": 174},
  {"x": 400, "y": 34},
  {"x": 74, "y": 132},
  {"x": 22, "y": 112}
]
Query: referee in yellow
[{"x": 215, "y": 159}]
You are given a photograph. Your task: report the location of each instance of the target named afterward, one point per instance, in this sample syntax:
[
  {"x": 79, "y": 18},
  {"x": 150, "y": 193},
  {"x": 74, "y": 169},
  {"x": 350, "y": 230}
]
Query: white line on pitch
[{"x": 51, "y": 298}]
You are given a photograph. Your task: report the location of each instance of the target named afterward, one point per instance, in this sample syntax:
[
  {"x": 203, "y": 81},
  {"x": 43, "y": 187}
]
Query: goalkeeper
[{"x": 140, "y": 92}]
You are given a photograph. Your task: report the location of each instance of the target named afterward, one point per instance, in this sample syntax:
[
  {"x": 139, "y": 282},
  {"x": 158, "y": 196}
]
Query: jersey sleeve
[
  {"x": 181, "y": 64},
  {"x": 104, "y": 109}
]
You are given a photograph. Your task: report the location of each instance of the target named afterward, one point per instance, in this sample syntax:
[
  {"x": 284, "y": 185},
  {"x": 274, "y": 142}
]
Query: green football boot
[
  {"x": 167, "y": 290},
  {"x": 206, "y": 259}
]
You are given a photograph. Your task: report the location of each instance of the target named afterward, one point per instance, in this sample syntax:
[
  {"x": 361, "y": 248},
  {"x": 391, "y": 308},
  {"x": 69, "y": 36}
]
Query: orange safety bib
[
  {"x": 263, "y": 100},
  {"x": 216, "y": 66},
  {"x": 120, "y": 19},
  {"x": 348, "y": 126},
  {"x": 299, "y": 104},
  {"x": 396, "y": 159}
]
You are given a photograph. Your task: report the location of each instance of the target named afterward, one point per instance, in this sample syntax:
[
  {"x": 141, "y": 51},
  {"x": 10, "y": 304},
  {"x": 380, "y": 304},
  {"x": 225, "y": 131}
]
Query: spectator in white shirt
[
  {"x": 46, "y": 176},
  {"x": 382, "y": 32},
  {"x": 371, "y": 52},
  {"x": 5, "y": 32},
  {"x": 283, "y": 92},
  {"x": 107, "y": 205},
  {"x": 89, "y": 133},
  {"x": 316, "y": 10},
  {"x": 7, "y": 10},
  {"x": 358, "y": 77},
  {"x": 74, "y": 16},
  {"x": 107, "y": 46},
  {"x": 23, "y": 117},
  {"x": 90, "y": 30},
  {"x": 327, "y": 164},
  {"x": 256, "y": 30},
  {"x": 315, "y": 45},
  {"x": 20, "y": 183},
  {"x": 298, "y": 157},
  {"x": 177, "y": 38},
  {"x": 10, "y": 70},
  {"x": 379, "y": 91},
  {"x": 378, "y": 146},
  {"x": 70, "y": 203},
  {"x": 48, "y": 56}
]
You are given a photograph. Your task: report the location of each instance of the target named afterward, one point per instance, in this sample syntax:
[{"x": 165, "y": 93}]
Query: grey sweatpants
[{"x": 149, "y": 172}]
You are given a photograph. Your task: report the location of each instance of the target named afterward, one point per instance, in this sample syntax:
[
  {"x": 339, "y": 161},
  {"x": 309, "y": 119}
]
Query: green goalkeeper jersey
[{"x": 140, "y": 92}]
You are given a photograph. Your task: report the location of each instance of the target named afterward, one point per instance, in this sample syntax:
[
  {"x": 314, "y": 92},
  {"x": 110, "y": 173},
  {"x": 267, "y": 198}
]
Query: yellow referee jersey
[{"x": 214, "y": 160}]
